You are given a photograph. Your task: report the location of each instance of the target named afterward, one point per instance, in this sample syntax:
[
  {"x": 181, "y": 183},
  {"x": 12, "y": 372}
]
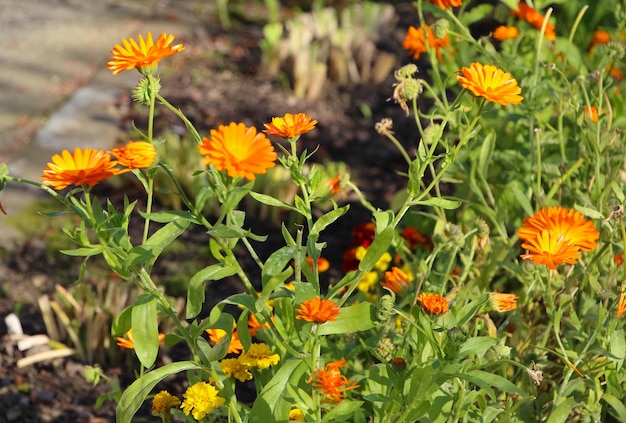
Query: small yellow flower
[
  {"x": 296, "y": 415},
  {"x": 259, "y": 356},
  {"x": 233, "y": 367},
  {"x": 162, "y": 403},
  {"x": 201, "y": 399}
]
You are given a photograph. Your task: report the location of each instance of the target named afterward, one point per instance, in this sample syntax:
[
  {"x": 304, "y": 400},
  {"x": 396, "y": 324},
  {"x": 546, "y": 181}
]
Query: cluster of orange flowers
[
  {"x": 530, "y": 15},
  {"x": 557, "y": 235},
  {"x": 416, "y": 40},
  {"x": 331, "y": 382}
]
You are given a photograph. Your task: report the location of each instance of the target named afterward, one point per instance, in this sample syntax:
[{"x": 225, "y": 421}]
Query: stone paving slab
[{"x": 55, "y": 92}]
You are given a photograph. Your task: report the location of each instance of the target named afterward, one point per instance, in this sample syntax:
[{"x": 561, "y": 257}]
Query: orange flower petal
[
  {"x": 144, "y": 56},
  {"x": 290, "y": 126},
  {"x": 83, "y": 167},
  {"x": 490, "y": 82},
  {"x": 318, "y": 311}
]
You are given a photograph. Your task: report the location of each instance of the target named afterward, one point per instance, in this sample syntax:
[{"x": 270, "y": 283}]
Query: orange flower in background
[
  {"x": 135, "y": 155},
  {"x": 128, "y": 343},
  {"x": 415, "y": 239},
  {"x": 621, "y": 305},
  {"x": 592, "y": 112},
  {"x": 335, "y": 185},
  {"x": 433, "y": 303},
  {"x": 490, "y": 82},
  {"x": 318, "y": 311},
  {"x": 144, "y": 55},
  {"x": 618, "y": 259},
  {"x": 331, "y": 382},
  {"x": 415, "y": 42},
  {"x": 83, "y": 167},
  {"x": 290, "y": 126},
  {"x": 349, "y": 260},
  {"x": 363, "y": 235},
  {"x": 322, "y": 264},
  {"x": 599, "y": 37},
  {"x": 505, "y": 32},
  {"x": 254, "y": 324},
  {"x": 239, "y": 150},
  {"x": 530, "y": 15},
  {"x": 502, "y": 302},
  {"x": 235, "y": 347},
  {"x": 556, "y": 235},
  {"x": 444, "y": 4},
  {"x": 396, "y": 280}
]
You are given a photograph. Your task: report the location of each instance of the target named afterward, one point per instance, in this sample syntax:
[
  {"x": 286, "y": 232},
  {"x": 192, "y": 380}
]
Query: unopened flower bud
[
  {"x": 411, "y": 88},
  {"x": 406, "y": 71},
  {"x": 441, "y": 28},
  {"x": 398, "y": 364}
]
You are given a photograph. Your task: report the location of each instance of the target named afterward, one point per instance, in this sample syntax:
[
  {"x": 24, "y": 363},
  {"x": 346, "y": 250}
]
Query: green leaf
[
  {"x": 84, "y": 252},
  {"x": 270, "y": 405},
  {"x": 487, "y": 147},
  {"x": 341, "y": 411},
  {"x": 122, "y": 322},
  {"x": 522, "y": 199},
  {"x": 356, "y": 318},
  {"x": 147, "y": 253},
  {"x": 562, "y": 412},
  {"x": 270, "y": 201},
  {"x": 144, "y": 319},
  {"x": 475, "y": 14},
  {"x": 196, "y": 289},
  {"x": 326, "y": 219},
  {"x": 498, "y": 382},
  {"x": 589, "y": 212},
  {"x": 617, "y": 346},
  {"x": 444, "y": 203},
  {"x": 379, "y": 246},
  {"x": 477, "y": 345},
  {"x": 135, "y": 395},
  {"x": 617, "y": 405}
]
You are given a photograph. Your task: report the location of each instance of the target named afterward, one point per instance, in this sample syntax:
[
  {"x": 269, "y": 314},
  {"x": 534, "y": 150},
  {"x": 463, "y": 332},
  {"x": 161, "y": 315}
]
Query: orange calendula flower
[
  {"x": 128, "y": 343},
  {"x": 600, "y": 37},
  {"x": 490, "y": 82},
  {"x": 254, "y": 324},
  {"x": 331, "y": 382},
  {"x": 143, "y": 55},
  {"x": 135, "y": 155},
  {"x": 505, "y": 32},
  {"x": 621, "y": 305},
  {"x": 235, "y": 347},
  {"x": 556, "y": 235},
  {"x": 592, "y": 112},
  {"x": 335, "y": 185},
  {"x": 502, "y": 302},
  {"x": 618, "y": 258},
  {"x": 318, "y": 311},
  {"x": 83, "y": 167},
  {"x": 396, "y": 280},
  {"x": 530, "y": 15},
  {"x": 444, "y": 4},
  {"x": 415, "y": 42},
  {"x": 433, "y": 303},
  {"x": 239, "y": 150},
  {"x": 415, "y": 239},
  {"x": 290, "y": 126},
  {"x": 322, "y": 264}
]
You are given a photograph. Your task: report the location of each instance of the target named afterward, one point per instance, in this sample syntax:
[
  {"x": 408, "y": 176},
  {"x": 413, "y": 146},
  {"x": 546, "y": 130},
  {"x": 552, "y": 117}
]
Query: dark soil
[{"x": 219, "y": 79}]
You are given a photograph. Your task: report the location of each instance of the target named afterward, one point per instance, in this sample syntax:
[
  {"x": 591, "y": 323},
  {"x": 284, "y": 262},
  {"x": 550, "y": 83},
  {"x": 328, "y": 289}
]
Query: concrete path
[{"x": 55, "y": 92}]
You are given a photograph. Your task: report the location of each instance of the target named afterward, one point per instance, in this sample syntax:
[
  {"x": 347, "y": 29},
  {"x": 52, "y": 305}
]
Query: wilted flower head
[
  {"x": 490, "y": 82},
  {"x": 239, "y": 150},
  {"x": 290, "y": 126},
  {"x": 317, "y": 310},
  {"x": 556, "y": 235},
  {"x": 83, "y": 167},
  {"x": 201, "y": 399},
  {"x": 135, "y": 155},
  {"x": 143, "y": 55},
  {"x": 331, "y": 382},
  {"x": 434, "y": 304}
]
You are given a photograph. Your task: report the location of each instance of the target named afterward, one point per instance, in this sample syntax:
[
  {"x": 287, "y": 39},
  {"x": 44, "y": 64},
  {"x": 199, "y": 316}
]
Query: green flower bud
[
  {"x": 441, "y": 28},
  {"x": 406, "y": 71},
  {"x": 142, "y": 91},
  {"x": 411, "y": 88}
]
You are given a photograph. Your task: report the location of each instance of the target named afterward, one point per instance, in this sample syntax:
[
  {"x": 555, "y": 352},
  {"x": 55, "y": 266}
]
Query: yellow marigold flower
[
  {"x": 201, "y": 399},
  {"x": 233, "y": 367},
  {"x": 215, "y": 335},
  {"x": 368, "y": 282},
  {"x": 444, "y": 4},
  {"x": 290, "y": 126},
  {"x": 83, "y": 167},
  {"x": 415, "y": 42},
  {"x": 128, "y": 343},
  {"x": 592, "y": 112},
  {"x": 135, "y": 155},
  {"x": 296, "y": 415},
  {"x": 433, "y": 303},
  {"x": 621, "y": 305},
  {"x": 396, "y": 280},
  {"x": 555, "y": 235},
  {"x": 502, "y": 302},
  {"x": 162, "y": 403},
  {"x": 505, "y": 32},
  {"x": 530, "y": 15},
  {"x": 144, "y": 55},
  {"x": 239, "y": 150},
  {"x": 331, "y": 382},
  {"x": 259, "y": 356},
  {"x": 318, "y": 311},
  {"x": 383, "y": 262},
  {"x": 490, "y": 82}
]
